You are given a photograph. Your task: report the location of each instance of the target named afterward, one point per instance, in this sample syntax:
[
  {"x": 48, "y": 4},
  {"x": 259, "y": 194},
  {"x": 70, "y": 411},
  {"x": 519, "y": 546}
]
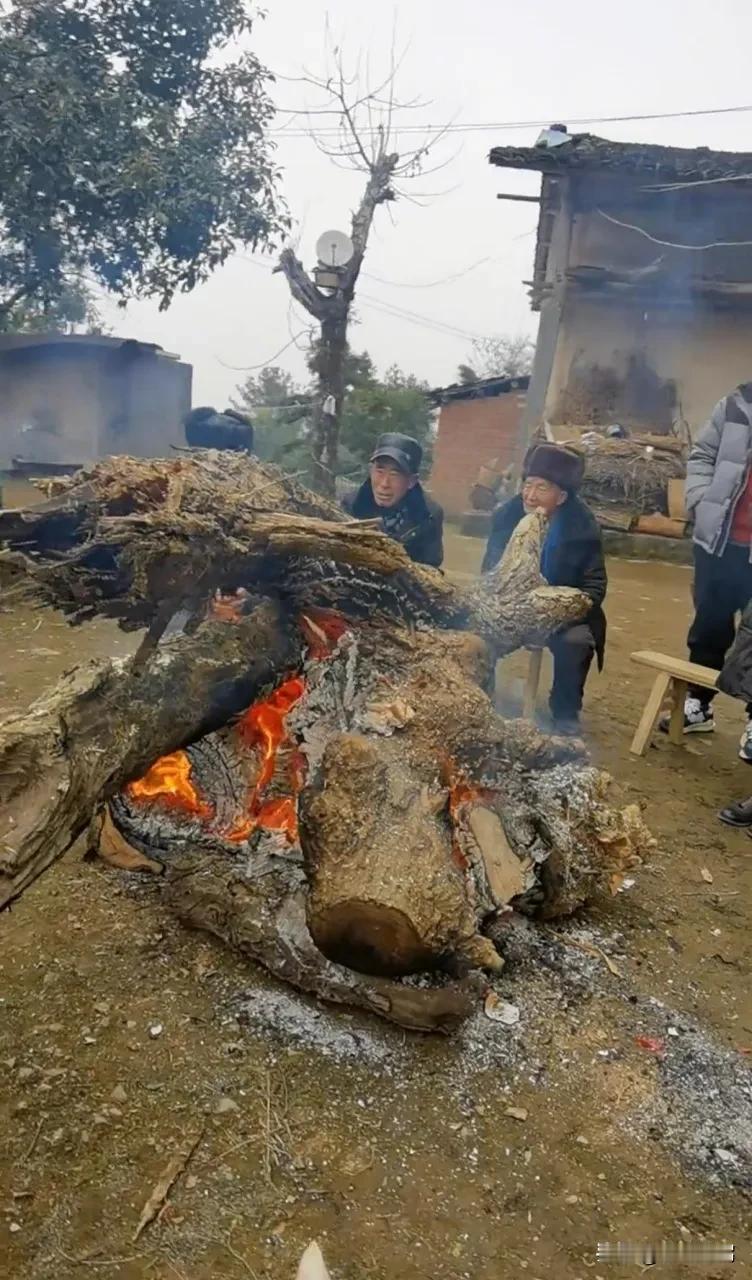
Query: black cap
[{"x": 403, "y": 450}]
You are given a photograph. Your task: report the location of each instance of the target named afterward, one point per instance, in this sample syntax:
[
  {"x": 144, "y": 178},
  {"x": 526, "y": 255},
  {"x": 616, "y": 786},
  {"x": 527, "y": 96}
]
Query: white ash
[
  {"x": 702, "y": 1108},
  {"x": 333, "y": 1032}
]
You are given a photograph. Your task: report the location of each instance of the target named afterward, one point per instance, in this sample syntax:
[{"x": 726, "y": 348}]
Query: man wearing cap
[
  {"x": 393, "y": 493},
  {"x": 572, "y": 556}
]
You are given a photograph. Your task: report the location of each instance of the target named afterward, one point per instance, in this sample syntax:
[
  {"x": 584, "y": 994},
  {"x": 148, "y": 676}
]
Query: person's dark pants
[
  {"x": 722, "y": 588},
  {"x": 573, "y": 651}
]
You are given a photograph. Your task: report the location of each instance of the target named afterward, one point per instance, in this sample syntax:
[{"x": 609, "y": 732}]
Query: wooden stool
[
  {"x": 674, "y": 675},
  {"x": 532, "y": 680}
]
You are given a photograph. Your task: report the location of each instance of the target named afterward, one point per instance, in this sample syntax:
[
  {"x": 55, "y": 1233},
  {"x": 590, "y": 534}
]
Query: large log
[
  {"x": 263, "y": 916},
  {"x": 132, "y": 538},
  {"x": 428, "y": 802},
  {"x": 106, "y": 722}
]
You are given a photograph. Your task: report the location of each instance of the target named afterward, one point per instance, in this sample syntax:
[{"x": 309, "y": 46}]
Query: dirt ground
[{"x": 126, "y": 1039}]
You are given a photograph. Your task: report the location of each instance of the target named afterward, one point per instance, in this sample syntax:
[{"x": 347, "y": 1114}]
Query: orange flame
[
  {"x": 263, "y": 728},
  {"x": 168, "y": 783},
  {"x": 263, "y": 725}
]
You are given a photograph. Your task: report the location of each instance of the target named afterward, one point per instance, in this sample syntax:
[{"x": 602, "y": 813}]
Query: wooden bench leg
[
  {"x": 676, "y": 727},
  {"x": 531, "y": 683},
  {"x": 650, "y": 714}
]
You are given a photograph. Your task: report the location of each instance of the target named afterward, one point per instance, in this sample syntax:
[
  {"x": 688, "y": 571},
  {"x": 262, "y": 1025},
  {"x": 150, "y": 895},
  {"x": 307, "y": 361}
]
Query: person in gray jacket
[{"x": 719, "y": 496}]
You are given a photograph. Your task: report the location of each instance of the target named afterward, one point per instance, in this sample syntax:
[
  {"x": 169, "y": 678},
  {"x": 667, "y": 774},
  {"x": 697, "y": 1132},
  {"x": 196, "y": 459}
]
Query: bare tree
[
  {"x": 363, "y": 139},
  {"x": 510, "y": 357}
]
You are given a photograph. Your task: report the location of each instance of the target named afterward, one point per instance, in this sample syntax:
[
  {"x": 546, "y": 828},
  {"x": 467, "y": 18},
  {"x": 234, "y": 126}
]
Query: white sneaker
[
  {"x": 697, "y": 719},
  {"x": 745, "y": 744}
]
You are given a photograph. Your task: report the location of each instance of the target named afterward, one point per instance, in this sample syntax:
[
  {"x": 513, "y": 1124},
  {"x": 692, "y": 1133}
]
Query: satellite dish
[{"x": 334, "y": 249}]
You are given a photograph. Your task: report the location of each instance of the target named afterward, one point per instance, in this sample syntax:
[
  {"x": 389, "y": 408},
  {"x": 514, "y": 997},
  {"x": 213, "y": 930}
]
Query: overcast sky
[{"x": 477, "y": 62}]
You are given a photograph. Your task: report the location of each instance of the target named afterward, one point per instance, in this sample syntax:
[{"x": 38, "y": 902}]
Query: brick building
[{"x": 478, "y": 422}]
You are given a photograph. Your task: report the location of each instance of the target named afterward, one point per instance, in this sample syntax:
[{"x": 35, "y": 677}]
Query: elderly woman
[{"x": 572, "y": 556}]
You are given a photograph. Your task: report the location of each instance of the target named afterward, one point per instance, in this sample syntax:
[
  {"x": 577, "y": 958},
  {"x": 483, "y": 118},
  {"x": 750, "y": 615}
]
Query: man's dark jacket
[
  {"x": 576, "y": 557},
  {"x": 419, "y": 522},
  {"x": 736, "y": 677}
]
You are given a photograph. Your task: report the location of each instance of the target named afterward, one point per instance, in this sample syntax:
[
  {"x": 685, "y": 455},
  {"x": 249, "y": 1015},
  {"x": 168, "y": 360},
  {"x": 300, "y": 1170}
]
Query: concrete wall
[
  {"x": 151, "y": 396},
  {"x": 472, "y": 432},
  {"x": 82, "y": 404},
  {"x": 704, "y": 352},
  {"x": 58, "y": 398}
]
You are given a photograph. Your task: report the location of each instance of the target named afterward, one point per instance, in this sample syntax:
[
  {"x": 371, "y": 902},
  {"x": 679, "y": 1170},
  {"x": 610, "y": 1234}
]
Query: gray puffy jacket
[{"x": 718, "y": 467}]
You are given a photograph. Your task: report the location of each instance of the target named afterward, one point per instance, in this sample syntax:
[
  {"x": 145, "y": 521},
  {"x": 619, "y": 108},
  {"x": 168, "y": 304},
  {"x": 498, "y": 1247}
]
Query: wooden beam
[{"x": 552, "y": 306}]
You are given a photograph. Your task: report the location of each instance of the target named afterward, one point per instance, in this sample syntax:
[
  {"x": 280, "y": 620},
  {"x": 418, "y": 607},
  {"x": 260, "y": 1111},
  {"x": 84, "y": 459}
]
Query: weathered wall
[
  {"x": 472, "y": 432},
  {"x": 83, "y": 404},
  {"x": 150, "y": 398},
  {"x": 703, "y": 352},
  {"x": 59, "y": 398}
]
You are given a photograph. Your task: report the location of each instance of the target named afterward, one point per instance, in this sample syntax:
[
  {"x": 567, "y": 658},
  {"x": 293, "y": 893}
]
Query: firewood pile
[
  {"x": 311, "y": 766},
  {"x": 627, "y": 480}
]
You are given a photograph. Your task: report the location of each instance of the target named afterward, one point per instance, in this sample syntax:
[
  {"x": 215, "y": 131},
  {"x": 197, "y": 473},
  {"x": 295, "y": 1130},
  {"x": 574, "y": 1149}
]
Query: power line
[
  {"x": 249, "y": 368},
  {"x": 413, "y": 317},
  {"x": 430, "y": 284},
  {"x": 492, "y": 126}
]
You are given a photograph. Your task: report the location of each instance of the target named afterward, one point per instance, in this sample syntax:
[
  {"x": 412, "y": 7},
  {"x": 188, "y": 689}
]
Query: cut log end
[{"x": 372, "y": 938}]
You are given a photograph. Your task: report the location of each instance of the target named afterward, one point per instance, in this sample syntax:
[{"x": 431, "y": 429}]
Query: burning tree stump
[{"x": 323, "y": 785}]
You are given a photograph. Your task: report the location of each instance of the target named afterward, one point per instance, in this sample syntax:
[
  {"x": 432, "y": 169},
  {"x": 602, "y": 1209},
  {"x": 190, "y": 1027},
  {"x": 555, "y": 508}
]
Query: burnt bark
[
  {"x": 107, "y": 722},
  {"x": 431, "y": 813},
  {"x": 128, "y": 536},
  {"x": 263, "y": 916}
]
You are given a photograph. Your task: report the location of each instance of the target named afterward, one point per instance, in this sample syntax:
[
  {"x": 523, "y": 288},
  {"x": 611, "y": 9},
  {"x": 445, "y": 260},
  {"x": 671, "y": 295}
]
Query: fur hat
[{"x": 556, "y": 464}]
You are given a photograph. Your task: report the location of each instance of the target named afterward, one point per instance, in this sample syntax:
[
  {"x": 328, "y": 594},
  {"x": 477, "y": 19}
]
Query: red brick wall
[{"x": 471, "y": 432}]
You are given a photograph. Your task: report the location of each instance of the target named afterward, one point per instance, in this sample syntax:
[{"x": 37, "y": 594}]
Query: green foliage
[
  {"x": 127, "y": 148},
  {"x": 396, "y": 402},
  {"x": 73, "y": 310}
]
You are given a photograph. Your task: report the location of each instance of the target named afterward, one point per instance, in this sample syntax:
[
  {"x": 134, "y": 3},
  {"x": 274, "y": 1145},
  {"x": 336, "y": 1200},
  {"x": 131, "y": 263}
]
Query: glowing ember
[
  {"x": 263, "y": 726},
  {"x": 227, "y": 608},
  {"x": 168, "y": 783},
  {"x": 322, "y": 629}
]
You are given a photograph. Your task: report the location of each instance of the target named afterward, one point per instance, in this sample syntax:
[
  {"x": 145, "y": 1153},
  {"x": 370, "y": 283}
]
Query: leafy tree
[
  {"x": 398, "y": 403},
  {"x": 73, "y": 310},
  {"x": 128, "y": 150},
  {"x": 282, "y": 413},
  {"x": 503, "y": 357}
]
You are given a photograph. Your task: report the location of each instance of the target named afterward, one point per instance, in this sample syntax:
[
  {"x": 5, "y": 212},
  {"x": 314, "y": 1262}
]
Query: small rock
[
  {"x": 130, "y": 1025},
  {"x": 571, "y": 1199},
  {"x": 224, "y": 1105},
  {"x": 14, "y": 1227},
  {"x": 24, "y": 1074},
  {"x": 118, "y": 1094},
  {"x": 90, "y": 1040},
  {"x": 155, "y": 1030},
  {"x": 673, "y": 1031},
  {"x": 191, "y": 1181},
  {"x": 583, "y": 1141},
  {"x": 516, "y": 1113},
  {"x": 102, "y": 1006}
]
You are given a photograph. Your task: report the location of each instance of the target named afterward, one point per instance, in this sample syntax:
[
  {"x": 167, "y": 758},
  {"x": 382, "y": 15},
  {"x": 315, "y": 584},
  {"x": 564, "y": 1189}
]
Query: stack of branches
[{"x": 631, "y": 475}]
